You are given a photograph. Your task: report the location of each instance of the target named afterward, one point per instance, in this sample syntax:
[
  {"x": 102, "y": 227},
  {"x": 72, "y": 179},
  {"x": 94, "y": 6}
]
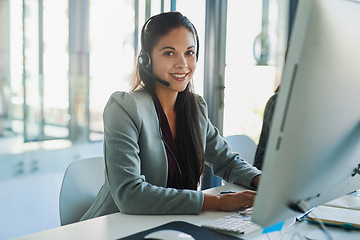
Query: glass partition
[
  {"x": 252, "y": 63},
  {"x": 111, "y": 55},
  {"x": 55, "y": 69},
  {"x": 32, "y": 84},
  {"x": 38, "y": 106},
  {"x": 14, "y": 124}
]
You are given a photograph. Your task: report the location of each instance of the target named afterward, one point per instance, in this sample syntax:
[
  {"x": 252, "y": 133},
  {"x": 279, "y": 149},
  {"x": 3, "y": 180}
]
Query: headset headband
[{"x": 142, "y": 37}]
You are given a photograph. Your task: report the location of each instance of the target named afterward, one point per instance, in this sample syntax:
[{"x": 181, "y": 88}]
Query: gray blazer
[{"x": 136, "y": 162}]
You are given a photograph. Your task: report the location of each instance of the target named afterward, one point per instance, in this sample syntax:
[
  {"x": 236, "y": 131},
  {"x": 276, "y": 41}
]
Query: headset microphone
[{"x": 149, "y": 73}]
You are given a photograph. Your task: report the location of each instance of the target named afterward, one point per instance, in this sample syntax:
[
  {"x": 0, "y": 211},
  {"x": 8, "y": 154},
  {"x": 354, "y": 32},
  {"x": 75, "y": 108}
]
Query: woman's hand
[{"x": 229, "y": 201}]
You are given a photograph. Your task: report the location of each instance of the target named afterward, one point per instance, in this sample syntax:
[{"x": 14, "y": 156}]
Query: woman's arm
[{"x": 229, "y": 201}]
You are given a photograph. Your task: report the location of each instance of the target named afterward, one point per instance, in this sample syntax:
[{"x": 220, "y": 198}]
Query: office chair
[
  {"x": 81, "y": 183},
  {"x": 244, "y": 145}
]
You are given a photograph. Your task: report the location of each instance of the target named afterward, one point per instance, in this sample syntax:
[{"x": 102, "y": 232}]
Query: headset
[{"x": 145, "y": 60}]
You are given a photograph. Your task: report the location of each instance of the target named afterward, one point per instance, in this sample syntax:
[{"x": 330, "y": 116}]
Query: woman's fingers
[{"x": 237, "y": 201}]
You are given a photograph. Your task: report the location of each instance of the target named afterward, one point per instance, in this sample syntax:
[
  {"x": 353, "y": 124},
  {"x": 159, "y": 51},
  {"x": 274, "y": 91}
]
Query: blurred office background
[{"x": 61, "y": 60}]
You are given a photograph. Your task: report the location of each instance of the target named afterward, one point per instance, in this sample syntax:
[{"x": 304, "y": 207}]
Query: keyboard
[{"x": 239, "y": 223}]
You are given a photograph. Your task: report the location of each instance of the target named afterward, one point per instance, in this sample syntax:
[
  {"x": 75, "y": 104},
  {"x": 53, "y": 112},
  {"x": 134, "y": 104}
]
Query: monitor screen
[{"x": 313, "y": 153}]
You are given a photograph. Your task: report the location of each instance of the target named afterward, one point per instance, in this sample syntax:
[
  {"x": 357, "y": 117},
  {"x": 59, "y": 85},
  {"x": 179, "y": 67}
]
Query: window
[
  {"x": 38, "y": 106},
  {"x": 248, "y": 81},
  {"x": 112, "y": 55}
]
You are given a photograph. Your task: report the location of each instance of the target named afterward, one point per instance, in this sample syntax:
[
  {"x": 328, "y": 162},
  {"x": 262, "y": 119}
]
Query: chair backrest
[
  {"x": 81, "y": 183},
  {"x": 244, "y": 145}
]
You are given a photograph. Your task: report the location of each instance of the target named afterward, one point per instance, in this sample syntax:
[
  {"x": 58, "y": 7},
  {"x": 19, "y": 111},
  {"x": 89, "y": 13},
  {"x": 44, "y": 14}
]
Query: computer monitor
[{"x": 313, "y": 153}]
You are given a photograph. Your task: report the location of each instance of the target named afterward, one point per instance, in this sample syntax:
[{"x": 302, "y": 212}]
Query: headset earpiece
[{"x": 145, "y": 60}]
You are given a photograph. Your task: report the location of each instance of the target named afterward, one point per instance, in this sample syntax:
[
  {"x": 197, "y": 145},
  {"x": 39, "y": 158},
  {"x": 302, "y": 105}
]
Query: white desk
[{"x": 119, "y": 225}]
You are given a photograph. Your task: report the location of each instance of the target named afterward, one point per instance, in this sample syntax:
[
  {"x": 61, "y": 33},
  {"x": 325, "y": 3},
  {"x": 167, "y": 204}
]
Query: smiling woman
[
  {"x": 174, "y": 61},
  {"x": 157, "y": 135}
]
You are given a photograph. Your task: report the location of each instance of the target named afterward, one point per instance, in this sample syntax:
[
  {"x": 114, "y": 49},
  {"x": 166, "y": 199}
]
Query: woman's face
[{"x": 174, "y": 59}]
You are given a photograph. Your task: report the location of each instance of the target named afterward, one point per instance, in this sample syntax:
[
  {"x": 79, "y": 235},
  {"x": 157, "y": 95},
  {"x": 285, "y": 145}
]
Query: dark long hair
[{"x": 188, "y": 135}]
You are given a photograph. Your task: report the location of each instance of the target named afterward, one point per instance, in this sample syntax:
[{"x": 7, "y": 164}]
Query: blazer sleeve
[
  {"x": 128, "y": 148},
  {"x": 219, "y": 156}
]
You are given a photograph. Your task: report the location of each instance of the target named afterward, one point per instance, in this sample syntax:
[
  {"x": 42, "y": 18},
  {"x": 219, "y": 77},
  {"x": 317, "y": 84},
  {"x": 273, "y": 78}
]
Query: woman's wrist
[{"x": 211, "y": 201}]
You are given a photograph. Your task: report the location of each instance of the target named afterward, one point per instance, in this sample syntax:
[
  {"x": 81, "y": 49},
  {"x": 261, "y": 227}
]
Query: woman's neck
[{"x": 167, "y": 100}]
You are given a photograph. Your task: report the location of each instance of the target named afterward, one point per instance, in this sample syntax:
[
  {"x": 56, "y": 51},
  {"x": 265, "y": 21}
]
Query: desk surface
[{"x": 119, "y": 225}]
